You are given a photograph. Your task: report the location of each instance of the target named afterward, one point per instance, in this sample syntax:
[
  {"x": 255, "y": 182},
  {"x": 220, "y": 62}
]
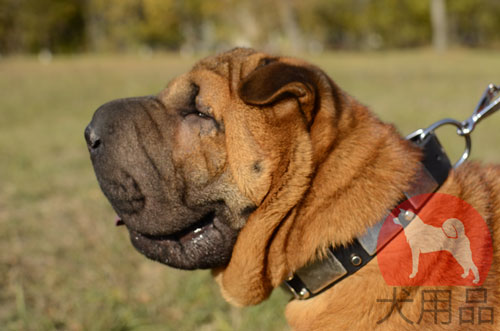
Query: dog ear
[{"x": 276, "y": 81}]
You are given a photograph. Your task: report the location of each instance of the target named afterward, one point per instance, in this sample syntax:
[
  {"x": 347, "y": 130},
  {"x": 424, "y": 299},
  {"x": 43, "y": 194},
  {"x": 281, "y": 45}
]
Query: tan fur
[
  {"x": 326, "y": 176},
  {"x": 353, "y": 302}
]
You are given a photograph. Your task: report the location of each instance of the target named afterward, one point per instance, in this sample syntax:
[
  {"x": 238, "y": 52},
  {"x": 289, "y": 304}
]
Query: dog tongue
[{"x": 119, "y": 221}]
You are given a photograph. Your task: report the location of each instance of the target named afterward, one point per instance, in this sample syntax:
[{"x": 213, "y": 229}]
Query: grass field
[{"x": 63, "y": 264}]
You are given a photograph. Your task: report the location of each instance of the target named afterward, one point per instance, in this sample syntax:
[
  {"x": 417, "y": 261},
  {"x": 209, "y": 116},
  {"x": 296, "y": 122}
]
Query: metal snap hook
[
  {"x": 487, "y": 105},
  {"x": 484, "y": 108}
]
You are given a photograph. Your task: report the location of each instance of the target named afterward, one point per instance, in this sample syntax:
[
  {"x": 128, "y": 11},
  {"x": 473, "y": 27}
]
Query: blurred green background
[
  {"x": 68, "y": 26},
  {"x": 63, "y": 264}
]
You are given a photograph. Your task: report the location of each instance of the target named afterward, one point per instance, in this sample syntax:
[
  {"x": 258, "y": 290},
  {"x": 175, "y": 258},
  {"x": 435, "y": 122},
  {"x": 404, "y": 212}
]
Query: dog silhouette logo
[
  {"x": 445, "y": 243},
  {"x": 425, "y": 238}
]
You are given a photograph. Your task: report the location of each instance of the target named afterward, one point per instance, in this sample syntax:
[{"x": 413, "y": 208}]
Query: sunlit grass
[{"x": 63, "y": 265}]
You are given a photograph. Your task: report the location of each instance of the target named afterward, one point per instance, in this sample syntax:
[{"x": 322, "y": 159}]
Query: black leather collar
[{"x": 341, "y": 262}]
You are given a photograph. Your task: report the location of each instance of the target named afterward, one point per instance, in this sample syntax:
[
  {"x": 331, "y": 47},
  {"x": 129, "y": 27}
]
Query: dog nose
[{"x": 93, "y": 140}]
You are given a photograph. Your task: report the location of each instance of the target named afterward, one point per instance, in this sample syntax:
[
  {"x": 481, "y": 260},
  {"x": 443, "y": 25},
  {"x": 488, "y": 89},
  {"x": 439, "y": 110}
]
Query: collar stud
[{"x": 356, "y": 260}]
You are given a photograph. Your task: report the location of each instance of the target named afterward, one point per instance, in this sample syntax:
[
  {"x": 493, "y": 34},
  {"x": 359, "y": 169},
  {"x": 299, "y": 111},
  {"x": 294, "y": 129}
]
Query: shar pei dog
[{"x": 262, "y": 169}]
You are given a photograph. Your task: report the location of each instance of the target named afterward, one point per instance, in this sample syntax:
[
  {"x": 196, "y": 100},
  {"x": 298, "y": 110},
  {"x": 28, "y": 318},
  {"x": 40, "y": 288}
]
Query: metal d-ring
[{"x": 422, "y": 134}]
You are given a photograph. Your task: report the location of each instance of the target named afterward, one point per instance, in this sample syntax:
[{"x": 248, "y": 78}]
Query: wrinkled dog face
[
  {"x": 184, "y": 169},
  {"x": 161, "y": 162}
]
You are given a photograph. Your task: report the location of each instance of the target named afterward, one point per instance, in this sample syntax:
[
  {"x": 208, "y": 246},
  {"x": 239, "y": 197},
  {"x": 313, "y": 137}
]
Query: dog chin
[{"x": 205, "y": 245}]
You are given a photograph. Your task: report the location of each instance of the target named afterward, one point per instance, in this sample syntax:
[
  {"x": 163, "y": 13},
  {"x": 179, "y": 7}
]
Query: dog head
[{"x": 185, "y": 169}]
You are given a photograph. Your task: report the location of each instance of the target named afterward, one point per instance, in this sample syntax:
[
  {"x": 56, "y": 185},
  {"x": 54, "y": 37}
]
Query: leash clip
[{"x": 488, "y": 104}]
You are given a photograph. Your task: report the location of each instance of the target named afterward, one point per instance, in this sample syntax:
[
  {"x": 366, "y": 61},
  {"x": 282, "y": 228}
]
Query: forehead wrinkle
[
  {"x": 217, "y": 66},
  {"x": 220, "y": 67},
  {"x": 227, "y": 65}
]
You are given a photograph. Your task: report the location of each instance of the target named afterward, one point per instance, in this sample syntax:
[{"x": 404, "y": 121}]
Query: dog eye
[
  {"x": 202, "y": 115},
  {"x": 194, "y": 112},
  {"x": 193, "y": 108}
]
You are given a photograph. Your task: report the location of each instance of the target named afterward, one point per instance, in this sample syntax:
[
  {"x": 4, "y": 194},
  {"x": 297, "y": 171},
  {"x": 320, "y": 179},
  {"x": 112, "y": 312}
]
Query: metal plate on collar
[
  {"x": 422, "y": 183},
  {"x": 369, "y": 240},
  {"x": 322, "y": 273}
]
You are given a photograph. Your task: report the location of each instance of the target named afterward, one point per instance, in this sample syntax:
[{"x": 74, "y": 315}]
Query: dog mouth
[
  {"x": 181, "y": 237},
  {"x": 207, "y": 243}
]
